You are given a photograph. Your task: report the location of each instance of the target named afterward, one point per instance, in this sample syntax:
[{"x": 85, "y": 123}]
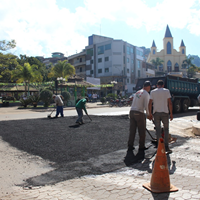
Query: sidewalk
[{"x": 126, "y": 183}]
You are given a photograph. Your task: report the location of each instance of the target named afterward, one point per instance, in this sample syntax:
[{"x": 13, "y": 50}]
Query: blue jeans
[
  {"x": 164, "y": 117},
  {"x": 59, "y": 110},
  {"x": 80, "y": 115}
]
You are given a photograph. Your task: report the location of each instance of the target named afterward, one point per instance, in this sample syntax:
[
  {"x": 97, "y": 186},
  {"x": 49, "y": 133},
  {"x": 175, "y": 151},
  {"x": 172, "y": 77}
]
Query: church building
[{"x": 172, "y": 58}]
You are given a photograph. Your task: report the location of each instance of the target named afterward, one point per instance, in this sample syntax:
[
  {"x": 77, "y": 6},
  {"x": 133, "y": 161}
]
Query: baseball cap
[{"x": 147, "y": 83}]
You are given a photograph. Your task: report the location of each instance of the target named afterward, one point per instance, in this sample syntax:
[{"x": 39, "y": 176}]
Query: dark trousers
[
  {"x": 80, "y": 115},
  {"x": 59, "y": 110},
  {"x": 137, "y": 120}
]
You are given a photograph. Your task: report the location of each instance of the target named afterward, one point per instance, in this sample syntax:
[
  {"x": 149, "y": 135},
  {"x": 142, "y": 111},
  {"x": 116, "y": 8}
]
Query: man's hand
[
  {"x": 171, "y": 116},
  {"x": 150, "y": 117}
]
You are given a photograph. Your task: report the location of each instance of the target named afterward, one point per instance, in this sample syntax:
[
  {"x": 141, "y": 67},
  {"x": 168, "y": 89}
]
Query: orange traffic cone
[{"x": 160, "y": 176}]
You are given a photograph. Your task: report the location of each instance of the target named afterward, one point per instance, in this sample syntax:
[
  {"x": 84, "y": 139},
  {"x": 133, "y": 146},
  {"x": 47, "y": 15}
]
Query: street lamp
[
  {"x": 114, "y": 82},
  {"x": 61, "y": 79}
]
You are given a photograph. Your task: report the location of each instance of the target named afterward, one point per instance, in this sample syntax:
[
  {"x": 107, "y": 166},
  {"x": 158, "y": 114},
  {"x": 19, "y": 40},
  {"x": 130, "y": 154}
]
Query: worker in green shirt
[{"x": 80, "y": 106}]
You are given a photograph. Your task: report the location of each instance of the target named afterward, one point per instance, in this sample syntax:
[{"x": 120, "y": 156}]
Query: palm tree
[
  {"x": 157, "y": 62},
  {"x": 62, "y": 69},
  {"x": 191, "y": 68},
  {"x": 26, "y": 74},
  {"x": 187, "y": 63}
]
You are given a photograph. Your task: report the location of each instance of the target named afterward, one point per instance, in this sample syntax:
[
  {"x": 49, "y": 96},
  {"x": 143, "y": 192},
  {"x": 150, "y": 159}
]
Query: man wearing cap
[
  {"x": 160, "y": 98},
  {"x": 59, "y": 103},
  {"x": 138, "y": 118}
]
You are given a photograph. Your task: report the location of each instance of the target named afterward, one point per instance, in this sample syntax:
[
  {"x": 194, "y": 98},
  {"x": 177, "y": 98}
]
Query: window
[
  {"x": 132, "y": 61},
  {"x": 132, "y": 51},
  {"x": 127, "y": 80},
  {"x": 91, "y": 62},
  {"x": 124, "y": 60},
  {"x": 124, "y": 48},
  {"x": 127, "y": 70},
  {"x": 99, "y": 71},
  {"x": 139, "y": 53},
  {"x": 80, "y": 59},
  {"x": 90, "y": 52},
  {"x": 138, "y": 73},
  {"x": 81, "y": 69},
  {"x": 107, "y": 47},
  {"x": 128, "y": 50},
  {"x": 154, "y": 51},
  {"x": 106, "y": 58},
  {"x": 161, "y": 68},
  {"x": 169, "y": 66},
  {"x": 100, "y": 50},
  {"x": 127, "y": 60},
  {"x": 99, "y": 60},
  {"x": 183, "y": 51},
  {"x": 176, "y": 67},
  {"x": 138, "y": 64},
  {"x": 168, "y": 48},
  {"x": 91, "y": 71},
  {"x": 106, "y": 70}
]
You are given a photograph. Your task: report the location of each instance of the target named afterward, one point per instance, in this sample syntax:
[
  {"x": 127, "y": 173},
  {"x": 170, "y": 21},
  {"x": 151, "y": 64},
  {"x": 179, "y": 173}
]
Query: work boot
[
  {"x": 168, "y": 150},
  {"x": 131, "y": 148}
]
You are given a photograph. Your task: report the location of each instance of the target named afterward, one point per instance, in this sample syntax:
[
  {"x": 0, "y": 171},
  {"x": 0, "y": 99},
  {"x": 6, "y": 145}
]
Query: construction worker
[
  {"x": 59, "y": 103},
  {"x": 138, "y": 118},
  {"x": 80, "y": 106},
  {"x": 160, "y": 99}
]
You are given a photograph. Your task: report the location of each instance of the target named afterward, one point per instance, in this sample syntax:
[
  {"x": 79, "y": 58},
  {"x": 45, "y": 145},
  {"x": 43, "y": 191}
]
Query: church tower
[
  {"x": 168, "y": 51},
  {"x": 182, "y": 48},
  {"x": 153, "y": 48}
]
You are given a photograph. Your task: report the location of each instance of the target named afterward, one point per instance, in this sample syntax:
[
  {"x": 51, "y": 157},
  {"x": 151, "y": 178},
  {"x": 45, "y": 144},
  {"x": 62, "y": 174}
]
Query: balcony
[{"x": 78, "y": 63}]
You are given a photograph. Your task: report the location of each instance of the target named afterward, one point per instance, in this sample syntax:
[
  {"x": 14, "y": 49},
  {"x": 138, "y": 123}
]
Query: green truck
[{"x": 184, "y": 91}]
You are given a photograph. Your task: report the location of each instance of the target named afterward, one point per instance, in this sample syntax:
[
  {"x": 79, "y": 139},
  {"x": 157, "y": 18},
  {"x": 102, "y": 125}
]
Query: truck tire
[
  {"x": 177, "y": 106},
  {"x": 184, "y": 105}
]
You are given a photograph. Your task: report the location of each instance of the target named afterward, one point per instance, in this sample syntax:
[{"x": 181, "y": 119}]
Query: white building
[{"x": 114, "y": 60}]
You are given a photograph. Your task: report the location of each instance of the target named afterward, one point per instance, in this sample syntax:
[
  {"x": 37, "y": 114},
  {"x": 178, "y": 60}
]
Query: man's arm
[
  {"x": 170, "y": 108},
  {"x": 150, "y": 109}
]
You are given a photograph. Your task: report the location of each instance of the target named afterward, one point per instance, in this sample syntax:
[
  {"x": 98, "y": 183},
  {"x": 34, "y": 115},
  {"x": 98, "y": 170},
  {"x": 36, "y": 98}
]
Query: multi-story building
[
  {"x": 56, "y": 56},
  {"x": 78, "y": 61},
  {"x": 114, "y": 60},
  {"x": 172, "y": 58}
]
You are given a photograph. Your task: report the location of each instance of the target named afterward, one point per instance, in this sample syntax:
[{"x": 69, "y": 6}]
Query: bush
[
  {"x": 46, "y": 97},
  {"x": 103, "y": 100},
  {"x": 66, "y": 96},
  {"x": 111, "y": 96},
  {"x": 25, "y": 101},
  {"x": 35, "y": 99}
]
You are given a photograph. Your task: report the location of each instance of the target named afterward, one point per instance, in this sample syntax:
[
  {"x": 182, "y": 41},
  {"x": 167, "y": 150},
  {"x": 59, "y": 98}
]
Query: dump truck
[{"x": 184, "y": 91}]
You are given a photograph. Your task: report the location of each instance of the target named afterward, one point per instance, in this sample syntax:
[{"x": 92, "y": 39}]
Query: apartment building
[
  {"x": 79, "y": 62},
  {"x": 113, "y": 60}
]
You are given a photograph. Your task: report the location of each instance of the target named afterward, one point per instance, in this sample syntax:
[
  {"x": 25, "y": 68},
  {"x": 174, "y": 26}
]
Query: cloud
[{"x": 41, "y": 27}]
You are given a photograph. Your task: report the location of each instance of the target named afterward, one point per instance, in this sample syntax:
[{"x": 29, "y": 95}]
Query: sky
[{"x": 41, "y": 27}]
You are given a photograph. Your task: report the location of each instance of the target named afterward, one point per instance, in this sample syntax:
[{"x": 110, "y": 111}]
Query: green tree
[
  {"x": 7, "y": 45},
  {"x": 46, "y": 97},
  {"x": 157, "y": 62},
  {"x": 8, "y": 62},
  {"x": 187, "y": 63},
  {"x": 26, "y": 74},
  {"x": 191, "y": 68},
  {"x": 62, "y": 69},
  {"x": 34, "y": 61}
]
